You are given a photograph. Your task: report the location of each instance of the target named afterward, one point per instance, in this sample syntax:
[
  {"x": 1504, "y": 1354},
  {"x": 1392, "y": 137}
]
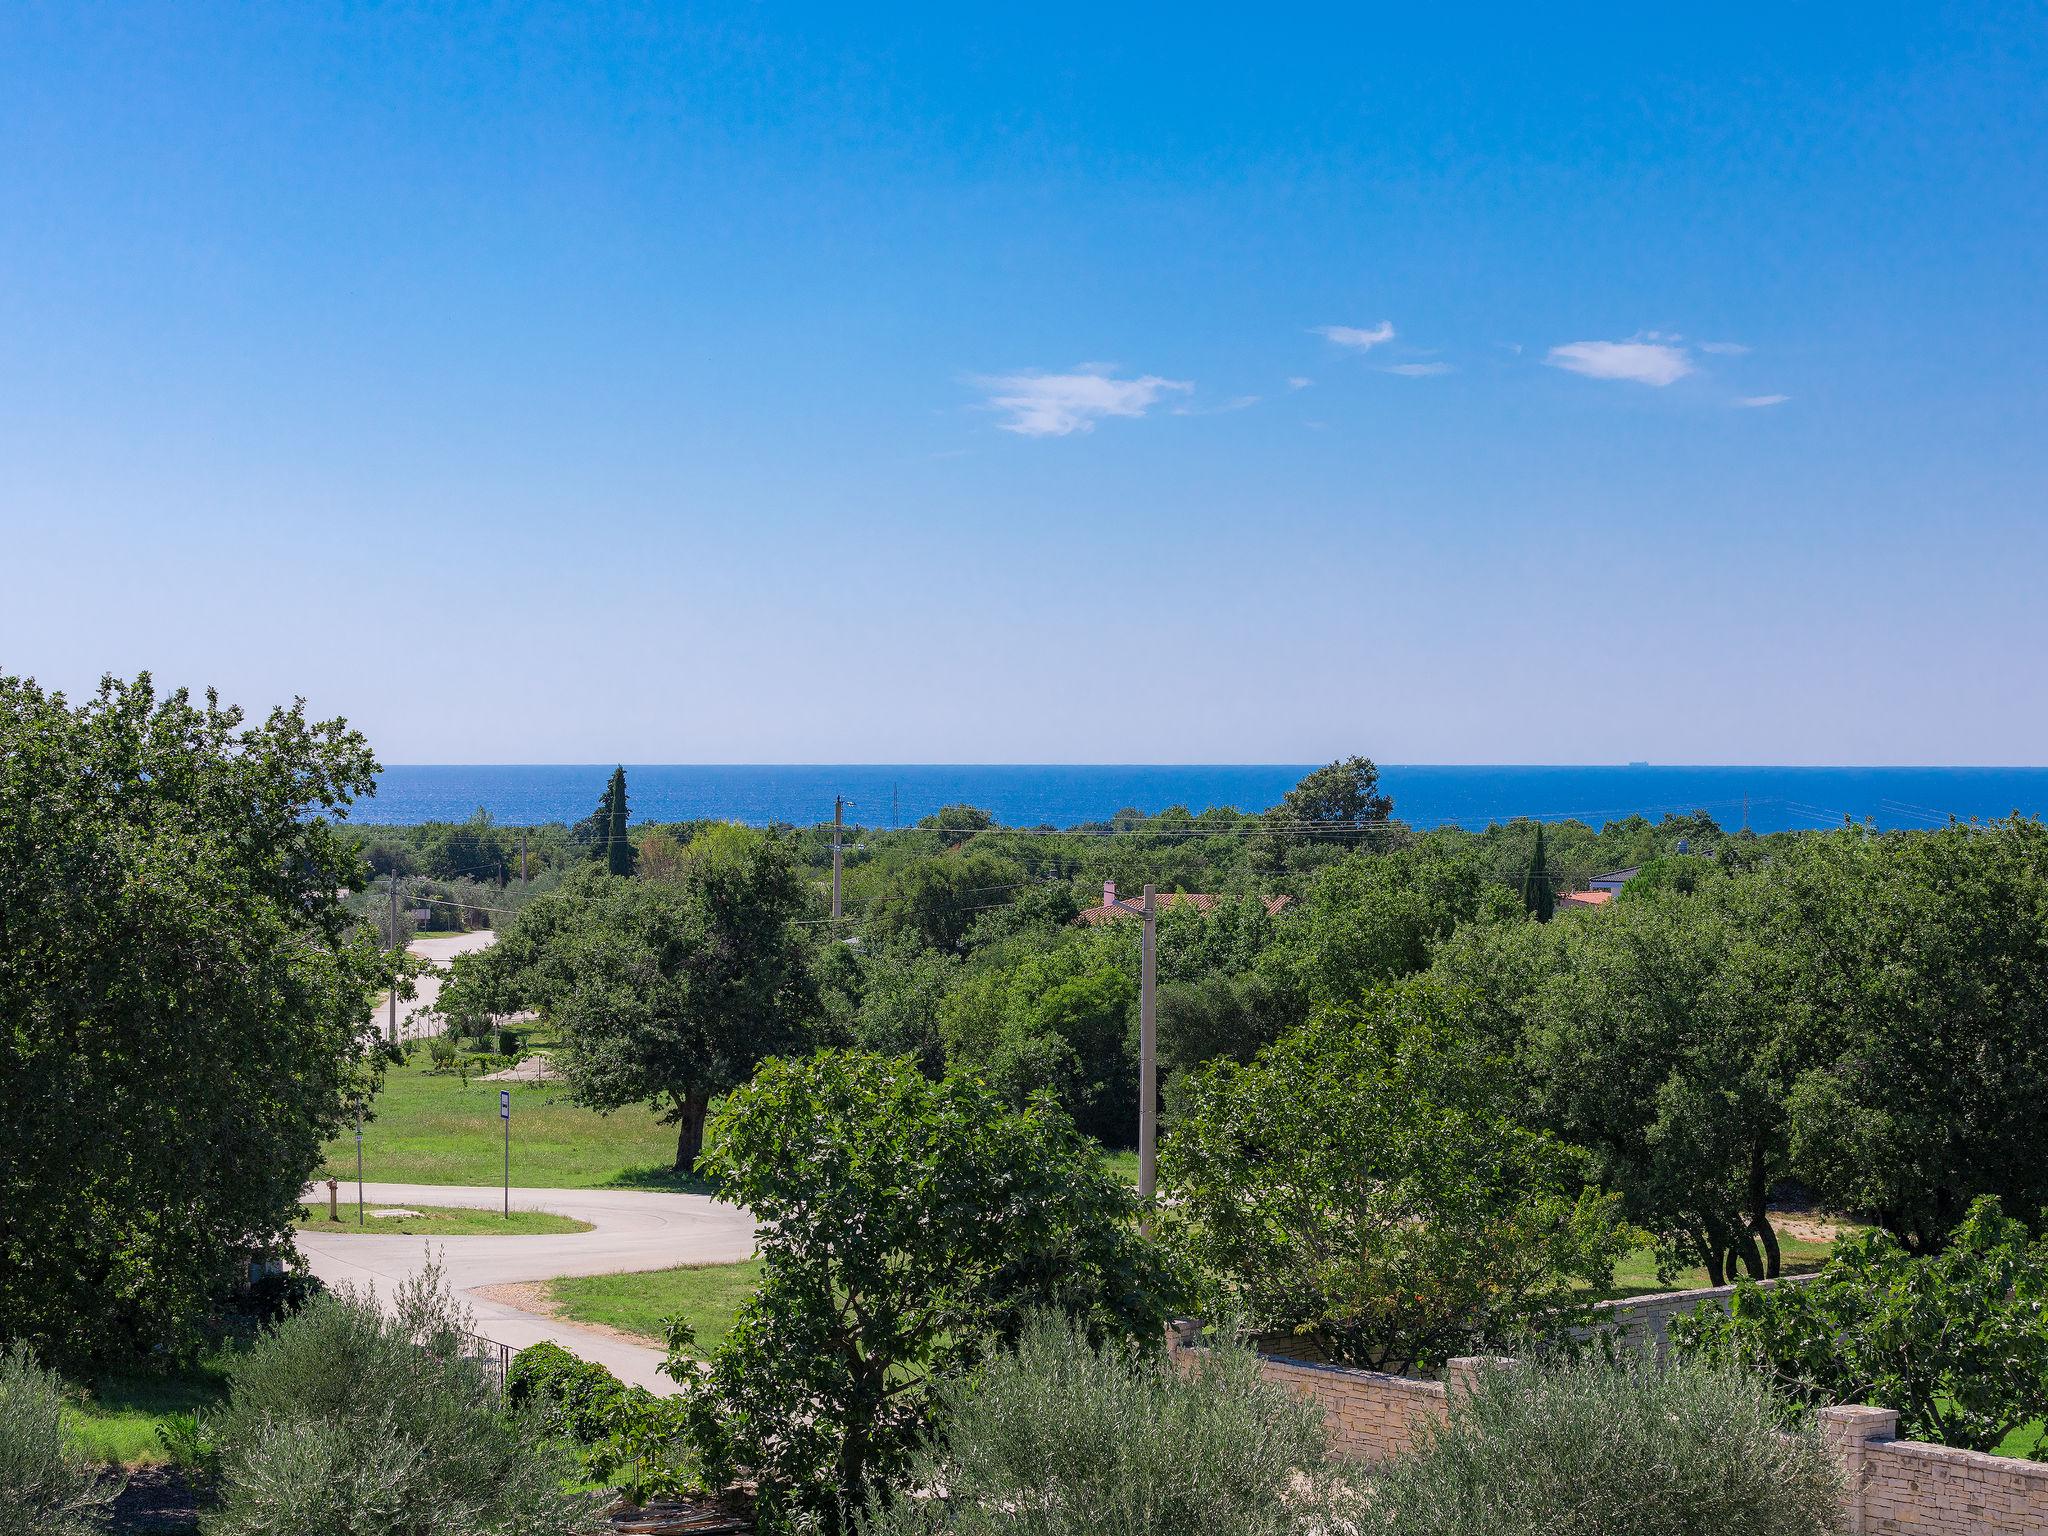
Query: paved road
[
  {"x": 415, "y": 1018},
  {"x": 632, "y": 1229}
]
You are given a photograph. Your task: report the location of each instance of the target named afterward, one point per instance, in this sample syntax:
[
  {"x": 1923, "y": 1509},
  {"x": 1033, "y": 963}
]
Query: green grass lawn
[
  {"x": 432, "y": 1128},
  {"x": 439, "y": 1221},
  {"x": 114, "y": 1417},
  {"x": 706, "y": 1295},
  {"x": 1636, "y": 1274}
]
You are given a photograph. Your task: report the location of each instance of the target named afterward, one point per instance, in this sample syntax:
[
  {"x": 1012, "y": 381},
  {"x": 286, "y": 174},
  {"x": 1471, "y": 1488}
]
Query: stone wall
[
  {"x": 1904, "y": 1488},
  {"x": 1891, "y": 1487},
  {"x": 1371, "y": 1416},
  {"x": 1644, "y": 1322}
]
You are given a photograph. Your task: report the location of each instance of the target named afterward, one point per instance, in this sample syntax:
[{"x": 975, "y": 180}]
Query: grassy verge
[
  {"x": 1636, "y": 1274},
  {"x": 433, "y": 1128},
  {"x": 114, "y": 1417},
  {"x": 705, "y": 1295},
  {"x": 439, "y": 1221}
]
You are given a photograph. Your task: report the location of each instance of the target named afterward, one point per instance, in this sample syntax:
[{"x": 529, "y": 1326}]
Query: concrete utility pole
[
  {"x": 522, "y": 855},
  {"x": 1148, "y": 1054},
  {"x": 396, "y": 945},
  {"x": 839, "y": 805}
]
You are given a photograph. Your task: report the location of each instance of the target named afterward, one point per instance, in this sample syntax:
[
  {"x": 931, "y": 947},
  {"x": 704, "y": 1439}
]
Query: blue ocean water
[{"x": 1772, "y": 799}]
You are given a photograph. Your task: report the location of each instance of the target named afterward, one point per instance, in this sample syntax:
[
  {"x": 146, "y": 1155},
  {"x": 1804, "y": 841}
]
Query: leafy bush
[
  {"x": 1956, "y": 1342},
  {"x": 345, "y": 1421},
  {"x": 1061, "y": 1437},
  {"x": 1364, "y": 1184},
  {"x": 571, "y": 1397},
  {"x": 1628, "y": 1448},
  {"x": 904, "y": 1225},
  {"x": 188, "y": 1443},
  {"x": 46, "y": 1489}
]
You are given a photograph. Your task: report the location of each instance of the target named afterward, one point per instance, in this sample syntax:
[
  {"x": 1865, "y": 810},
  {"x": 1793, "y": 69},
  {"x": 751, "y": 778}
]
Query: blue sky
[{"x": 759, "y": 383}]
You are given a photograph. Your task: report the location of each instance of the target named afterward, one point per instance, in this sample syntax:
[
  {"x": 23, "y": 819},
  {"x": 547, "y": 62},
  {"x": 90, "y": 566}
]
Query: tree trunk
[
  {"x": 1760, "y": 1213},
  {"x": 690, "y": 1131},
  {"x": 1773, "y": 1260}
]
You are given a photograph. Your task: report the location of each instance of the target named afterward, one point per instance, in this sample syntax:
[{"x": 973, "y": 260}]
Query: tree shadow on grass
[{"x": 660, "y": 1176}]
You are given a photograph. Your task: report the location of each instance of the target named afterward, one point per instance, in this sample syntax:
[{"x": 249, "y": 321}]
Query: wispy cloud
[
  {"x": 1056, "y": 404},
  {"x": 1757, "y": 402},
  {"x": 1362, "y": 339},
  {"x": 1298, "y": 382},
  {"x": 1239, "y": 403},
  {"x": 1653, "y": 362},
  {"x": 1419, "y": 370},
  {"x": 1724, "y": 348}
]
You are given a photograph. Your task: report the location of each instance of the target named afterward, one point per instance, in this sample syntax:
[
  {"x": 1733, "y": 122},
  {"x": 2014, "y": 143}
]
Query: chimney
[{"x": 1109, "y": 893}]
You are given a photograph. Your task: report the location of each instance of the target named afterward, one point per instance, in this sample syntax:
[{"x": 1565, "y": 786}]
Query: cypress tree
[
  {"x": 1537, "y": 894},
  {"x": 618, "y": 849}
]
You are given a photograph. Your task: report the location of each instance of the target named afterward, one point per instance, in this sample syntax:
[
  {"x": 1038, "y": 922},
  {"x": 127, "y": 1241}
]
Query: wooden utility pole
[
  {"x": 1148, "y": 1055},
  {"x": 522, "y": 855},
  {"x": 839, "y": 805},
  {"x": 396, "y": 946}
]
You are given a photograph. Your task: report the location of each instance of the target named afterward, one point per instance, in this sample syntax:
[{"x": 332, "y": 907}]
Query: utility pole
[
  {"x": 839, "y": 805},
  {"x": 395, "y": 945},
  {"x": 359, "y": 1165},
  {"x": 522, "y": 855},
  {"x": 1148, "y": 1057}
]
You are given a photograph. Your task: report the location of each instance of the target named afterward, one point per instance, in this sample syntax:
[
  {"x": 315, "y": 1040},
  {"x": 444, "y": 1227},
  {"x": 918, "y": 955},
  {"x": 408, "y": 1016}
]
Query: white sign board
[{"x": 504, "y": 1103}]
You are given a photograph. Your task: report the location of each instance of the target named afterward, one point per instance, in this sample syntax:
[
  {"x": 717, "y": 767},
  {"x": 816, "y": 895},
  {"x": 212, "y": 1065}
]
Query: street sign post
[{"x": 505, "y": 1114}]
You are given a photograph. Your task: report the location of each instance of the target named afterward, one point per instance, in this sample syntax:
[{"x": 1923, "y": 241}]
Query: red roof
[{"x": 1585, "y": 898}]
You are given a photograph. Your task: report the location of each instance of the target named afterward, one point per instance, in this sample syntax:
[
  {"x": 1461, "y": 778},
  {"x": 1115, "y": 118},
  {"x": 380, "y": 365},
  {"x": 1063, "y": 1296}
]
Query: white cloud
[
  {"x": 1239, "y": 403},
  {"x": 1724, "y": 348},
  {"x": 1754, "y": 402},
  {"x": 1352, "y": 336},
  {"x": 1655, "y": 363},
  {"x": 1419, "y": 370},
  {"x": 1298, "y": 382},
  {"x": 1055, "y": 404}
]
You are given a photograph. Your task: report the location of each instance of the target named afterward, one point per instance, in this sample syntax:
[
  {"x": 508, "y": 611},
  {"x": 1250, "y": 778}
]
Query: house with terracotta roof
[
  {"x": 1112, "y": 909},
  {"x": 1580, "y": 901}
]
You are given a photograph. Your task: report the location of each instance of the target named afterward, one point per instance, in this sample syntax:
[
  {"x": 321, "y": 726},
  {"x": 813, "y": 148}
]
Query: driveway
[
  {"x": 416, "y": 1017},
  {"x": 631, "y": 1229}
]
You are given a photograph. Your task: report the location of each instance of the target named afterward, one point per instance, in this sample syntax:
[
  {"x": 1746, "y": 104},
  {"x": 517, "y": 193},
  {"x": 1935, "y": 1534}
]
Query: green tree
[
  {"x": 1923, "y": 970},
  {"x": 618, "y": 848},
  {"x": 666, "y": 992},
  {"x": 1339, "y": 803},
  {"x": 1660, "y": 1036},
  {"x": 906, "y": 1227},
  {"x": 184, "y": 1000},
  {"x": 1365, "y": 1184},
  {"x": 1537, "y": 892},
  {"x": 934, "y": 901},
  {"x": 1957, "y": 1341}
]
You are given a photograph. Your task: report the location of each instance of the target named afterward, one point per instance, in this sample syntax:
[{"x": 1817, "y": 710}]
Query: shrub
[
  {"x": 188, "y": 1443},
  {"x": 343, "y": 1420},
  {"x": 1956, "y": 1342},
  {"x": 1627, "y": 1448},
  {"x": 570, "y": 1397},
  {"x": 46, "y": 1489},
  {"x": 1064, "y": 1438}
]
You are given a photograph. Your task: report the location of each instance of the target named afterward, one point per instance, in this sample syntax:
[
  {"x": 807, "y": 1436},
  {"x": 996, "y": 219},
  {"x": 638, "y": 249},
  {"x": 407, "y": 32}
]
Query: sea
[{"x": 1425, "y": 795}]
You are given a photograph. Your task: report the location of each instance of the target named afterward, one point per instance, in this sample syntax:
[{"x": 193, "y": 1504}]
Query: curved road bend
[
  {"x": 631, "y": 1229},
  {"x": 416, "y": 1017}
]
